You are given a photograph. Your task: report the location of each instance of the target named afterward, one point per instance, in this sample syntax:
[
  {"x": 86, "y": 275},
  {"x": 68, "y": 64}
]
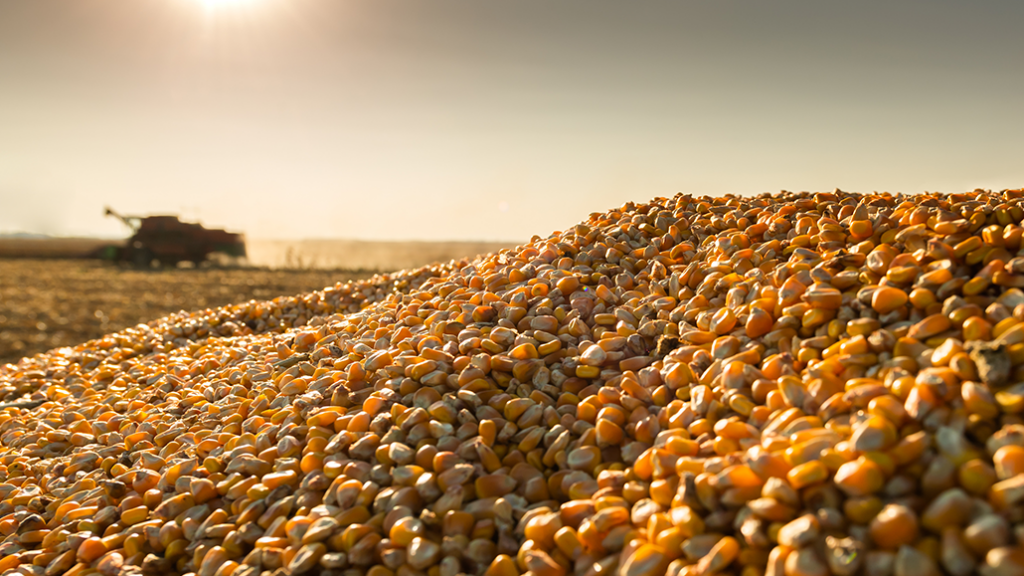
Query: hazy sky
[{"x": 488, "y": 119}]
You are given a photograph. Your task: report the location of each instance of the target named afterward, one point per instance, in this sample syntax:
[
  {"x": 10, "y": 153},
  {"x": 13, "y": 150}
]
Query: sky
[{"x": 488, "y": 120}]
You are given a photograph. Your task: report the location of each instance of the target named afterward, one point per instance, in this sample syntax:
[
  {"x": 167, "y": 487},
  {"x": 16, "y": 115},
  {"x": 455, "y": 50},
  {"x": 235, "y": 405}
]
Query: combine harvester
[{"x": 169, "y": 241}]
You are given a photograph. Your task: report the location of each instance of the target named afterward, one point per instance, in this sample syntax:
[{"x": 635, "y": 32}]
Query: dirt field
[{"x": 45, "y": 304}]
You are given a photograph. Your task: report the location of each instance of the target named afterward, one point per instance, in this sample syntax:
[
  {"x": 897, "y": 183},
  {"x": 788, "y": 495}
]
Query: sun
[
  {"x": 232, "y": 8},
  {"x": 217, "y": 4}
]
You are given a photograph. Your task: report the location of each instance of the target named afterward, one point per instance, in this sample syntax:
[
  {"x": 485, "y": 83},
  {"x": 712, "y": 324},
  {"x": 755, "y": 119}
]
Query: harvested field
[
  {"x": 787, "y": 385},
  {"x": 362, "y": 255},
  {"x": 51, "y": 295},
  {"x": 55, "y": 248},
  {"x": 290, "y": 254},
  {"x": 50, "y": 303}
]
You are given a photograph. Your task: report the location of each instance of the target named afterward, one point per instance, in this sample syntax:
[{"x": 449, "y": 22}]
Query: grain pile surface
[{"x": 788, "y": 385}]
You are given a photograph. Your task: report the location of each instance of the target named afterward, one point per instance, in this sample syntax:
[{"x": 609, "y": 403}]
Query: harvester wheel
[{"x": 142, "y": 257}]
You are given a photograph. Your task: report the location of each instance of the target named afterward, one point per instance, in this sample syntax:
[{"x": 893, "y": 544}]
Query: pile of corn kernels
[{"x": 782, "y": 385}]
